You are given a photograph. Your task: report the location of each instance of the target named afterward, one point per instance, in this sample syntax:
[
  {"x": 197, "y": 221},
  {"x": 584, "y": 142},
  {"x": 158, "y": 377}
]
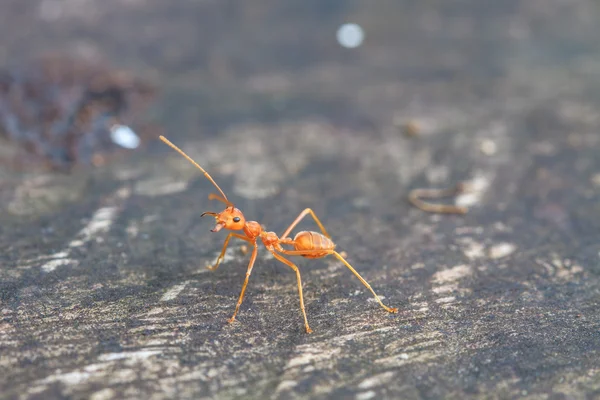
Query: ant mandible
[{"x": 305, "y": 244}]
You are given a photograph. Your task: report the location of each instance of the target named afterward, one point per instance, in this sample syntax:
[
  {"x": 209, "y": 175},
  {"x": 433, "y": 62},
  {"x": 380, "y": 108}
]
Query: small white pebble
[
  {"x": 502, "y": 250},
  {"x": 488, "y": 147},
  {"x": 124, "y": 136},
  {"x": 104, "y": 394},
  {"x": 366, "y": 395},
  {"x": 350, "y": 35}
]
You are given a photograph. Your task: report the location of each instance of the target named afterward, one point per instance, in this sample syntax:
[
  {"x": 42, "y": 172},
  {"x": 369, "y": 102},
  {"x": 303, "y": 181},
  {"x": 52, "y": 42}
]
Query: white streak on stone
[
  {"x": 103, "y": 394},
  {"x": 446, "y": 300},
  {"x": 452, "y": 275},
  {"x": 472, "y": 249},
  {"x": 285, "y": 385},
  {"x": 475, "y": 190},
  {"x": 100, "y": 223},
  {"x": 129, "y": 355},
  {"x": 366, "y": 395},
  {"x": 443, "y": 289},
  {"x": 376, "y": 380},
  {"x": 53, "y": 264},
  {"x": 173, "y": 292},
  {"x": 69, "y": 378},
  {"x": 501, "y": 250}
]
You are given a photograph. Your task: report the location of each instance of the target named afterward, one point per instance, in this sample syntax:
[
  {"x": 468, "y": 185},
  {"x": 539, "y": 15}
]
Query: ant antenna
[{"x": 224, "y": 199}]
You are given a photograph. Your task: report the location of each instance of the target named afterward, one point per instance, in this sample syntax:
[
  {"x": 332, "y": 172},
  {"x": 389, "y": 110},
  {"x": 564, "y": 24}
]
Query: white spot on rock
[
  {"x": 475, "y": 190},
  {"x": 452, "y": 274},
  {"x": 53, "y": 264},
  {"x": 376, "y": 380},
  {"x": 488, "y": 147},
  {"x": 104, "y": 394},
  {"x": 472, "y": 249},
  {"x": 130, "y": 355},
  {"x": 443, "y": 289},
  {"x": 286, "y": 385},
  {"x": 366, "y": 395},
  {"x": 446, "y": 300},
  {"x": 350, "y": 35},
  {"x": 501, "y": 250},
  {"x": 124, "y": 136}
]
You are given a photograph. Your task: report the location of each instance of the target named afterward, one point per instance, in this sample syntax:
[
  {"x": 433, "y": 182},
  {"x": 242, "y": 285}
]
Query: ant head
[{"x": 231, "y": 218}]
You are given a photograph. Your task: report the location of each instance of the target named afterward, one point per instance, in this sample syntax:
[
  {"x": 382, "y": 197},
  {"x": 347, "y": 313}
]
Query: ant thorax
[
  {"x": 252, "y": 229},
  {"x": 269, "y": 239}
]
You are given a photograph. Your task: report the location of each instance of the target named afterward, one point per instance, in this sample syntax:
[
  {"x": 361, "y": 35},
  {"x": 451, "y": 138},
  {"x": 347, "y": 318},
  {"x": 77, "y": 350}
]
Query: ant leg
[
  {"x": 339, "y": 257},
  {"x": 248, "y": 272},
  {"x": 295, "y": 268},
  {"x": 222, "y": 255},
  {"x": 415, "y": 197},
  {"x": 299, "y": 218}
]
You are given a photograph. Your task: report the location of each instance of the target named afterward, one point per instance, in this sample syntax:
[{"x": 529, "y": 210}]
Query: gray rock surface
[{"x": 104, "y": 292}]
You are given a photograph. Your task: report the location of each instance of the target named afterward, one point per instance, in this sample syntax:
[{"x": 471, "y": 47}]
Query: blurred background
[
  {"x": 339, "y": 105},
  {"x": 354, "y": 64}
]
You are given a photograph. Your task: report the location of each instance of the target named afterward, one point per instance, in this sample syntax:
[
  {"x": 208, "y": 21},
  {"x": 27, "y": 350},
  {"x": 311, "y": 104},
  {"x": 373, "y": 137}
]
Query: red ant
[{"x": 305, "y": 244}]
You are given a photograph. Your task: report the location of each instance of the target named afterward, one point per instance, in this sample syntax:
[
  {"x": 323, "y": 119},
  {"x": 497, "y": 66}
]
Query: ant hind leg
[
  {"x": 295, "y": 268},
  {"x": 300, "y": 217},
  {"x": 339, "y": 257},
  {"x": 343, "y": 260}
]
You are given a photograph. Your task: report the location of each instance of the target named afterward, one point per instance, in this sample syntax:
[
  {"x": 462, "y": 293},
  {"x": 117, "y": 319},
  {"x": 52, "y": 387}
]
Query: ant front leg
[
  {"x": 299, "y": 218},
  {"x": 248, "y": 272},
  {"x": 342, "y": 259},
  {"x": 222, "y": 255}
]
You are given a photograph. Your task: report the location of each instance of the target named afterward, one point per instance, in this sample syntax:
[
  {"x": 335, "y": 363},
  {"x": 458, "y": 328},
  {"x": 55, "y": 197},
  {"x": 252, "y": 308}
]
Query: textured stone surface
[{"x": 103, "y": 290}]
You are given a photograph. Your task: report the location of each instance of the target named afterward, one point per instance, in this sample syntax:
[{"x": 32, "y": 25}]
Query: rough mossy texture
[{"x": 104, "y": 292}]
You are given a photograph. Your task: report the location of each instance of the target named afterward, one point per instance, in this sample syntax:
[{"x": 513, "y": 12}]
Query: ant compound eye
[{"x": 236, "y": 219}]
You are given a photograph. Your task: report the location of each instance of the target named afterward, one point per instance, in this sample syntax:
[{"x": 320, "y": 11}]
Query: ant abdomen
[{"x": 313, "y": 241}]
